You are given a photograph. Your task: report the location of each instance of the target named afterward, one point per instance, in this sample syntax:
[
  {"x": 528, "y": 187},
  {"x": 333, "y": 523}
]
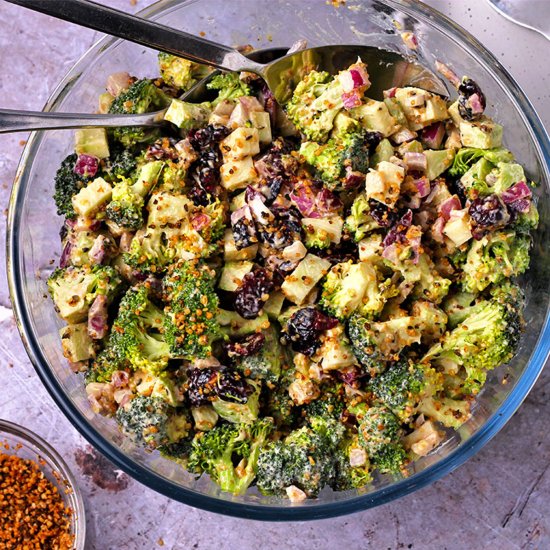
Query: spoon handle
[
  {"x": 22, "y": 121},
  {"x": 147, "y": 33}
]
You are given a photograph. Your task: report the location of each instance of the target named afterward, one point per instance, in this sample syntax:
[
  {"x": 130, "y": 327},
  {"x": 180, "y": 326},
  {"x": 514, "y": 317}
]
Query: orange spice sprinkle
[{"x": 32, "y": 512}]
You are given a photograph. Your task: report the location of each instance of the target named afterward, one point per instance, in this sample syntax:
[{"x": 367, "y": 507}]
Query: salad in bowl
[{"x": 294, "y": 296}]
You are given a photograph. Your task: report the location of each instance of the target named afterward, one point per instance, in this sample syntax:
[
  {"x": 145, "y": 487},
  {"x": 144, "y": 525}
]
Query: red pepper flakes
[{"x": 32, "y": 512}]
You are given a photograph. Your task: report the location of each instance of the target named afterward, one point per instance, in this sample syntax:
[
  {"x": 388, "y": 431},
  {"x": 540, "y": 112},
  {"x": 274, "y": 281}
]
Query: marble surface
[{"x": 498, "y": 500}]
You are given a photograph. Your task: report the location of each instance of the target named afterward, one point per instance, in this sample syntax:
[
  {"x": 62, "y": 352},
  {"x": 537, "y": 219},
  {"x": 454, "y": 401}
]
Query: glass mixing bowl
[{"x": 33, "y": 227}]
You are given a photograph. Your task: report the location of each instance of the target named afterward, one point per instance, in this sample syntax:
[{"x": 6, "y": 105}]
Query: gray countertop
[{"x": 498, "y": 500}]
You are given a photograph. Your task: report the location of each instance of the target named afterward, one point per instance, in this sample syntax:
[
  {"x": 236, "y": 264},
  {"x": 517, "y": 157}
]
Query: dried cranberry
[
  {"x": 303, "y": 330},
  {"x": 249, "y": 345},
  {"x": 488, "y": 213},
  {"x": 471, "y": 100},
  {"x": 372, "y": 139},
  {"x": 162, "y": 149},
  {"x": 206, "y": 384},
  {"x": 381, "y": 214},
  {"x": 273, "y": 187},
  {"x": 205, "y": 137},
  {"x": 286, "y": 228},
  {"x": 253, "y": 292},
  {"x": 205, "y": 171}
]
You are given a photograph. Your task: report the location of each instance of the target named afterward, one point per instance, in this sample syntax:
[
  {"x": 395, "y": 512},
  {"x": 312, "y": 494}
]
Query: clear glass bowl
[
  {"x": 16, "y": 440},
  {"x": 33, "y": 228}
]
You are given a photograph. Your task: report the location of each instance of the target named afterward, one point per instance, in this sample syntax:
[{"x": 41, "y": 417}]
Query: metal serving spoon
[{"x": 386, "y": 69}]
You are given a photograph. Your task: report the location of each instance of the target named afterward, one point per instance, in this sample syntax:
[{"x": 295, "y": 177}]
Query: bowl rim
[
  {"x": 312, "y": 511},
  {"x": 44, "y": 449}
]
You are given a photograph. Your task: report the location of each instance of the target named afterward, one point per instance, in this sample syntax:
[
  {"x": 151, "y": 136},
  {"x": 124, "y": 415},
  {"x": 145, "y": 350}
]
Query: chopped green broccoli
[
  {"x": 151, "y": 422},
  {"x": 67, "y": 184},
  {"x": 526, "y": 222},
  {"x": 229, "y": 453},
  {"x": 350, "y": 287},
  {"x": 181, "y": 73},
  {"x": 332, "y": 159},
  {"x": 135, "y": 341},
  {"x": 305, "y": 459},
  {"x": 495, "y": 257},
  {"x": 141, "y": 97},
  {"x": 315, "y": 103},
  {"x": 353, "y": 469},
  {"x": 73, "y": 289},
  {"x": 121, "y": 164},
  {"x": 375, "y": 343},
  {"x": 192, "y": 304},
  {"x": 458, "y": 306},
  {"x": 379, "y": 434},
  {"x": 169, "y": 235},
  {"x": 267, "y": 363},
  {"x": 486, "y": 339},
  {"x": 360, "y": 222},
  {"x": 229, "y": 86},
  {"x": 466, "y": 156},
  {"x": 404, "y": 385},
  {"x": 238, "y": 412},
  {"x": 423, "y": 276},
  {"x": 127, "y": 201}
]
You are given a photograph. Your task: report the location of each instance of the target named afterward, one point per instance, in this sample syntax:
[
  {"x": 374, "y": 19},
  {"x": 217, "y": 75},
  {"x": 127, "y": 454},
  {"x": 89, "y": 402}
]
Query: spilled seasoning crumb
[{"x": 32, "y": 512}]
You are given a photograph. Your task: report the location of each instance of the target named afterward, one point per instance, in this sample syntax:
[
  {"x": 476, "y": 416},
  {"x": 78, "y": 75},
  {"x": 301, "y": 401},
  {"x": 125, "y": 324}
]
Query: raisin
[
  {"x": 253, "y": 293},
  {"x": 249, "y": 345},
  {"x": 488, "y": 213},
  {"x": 205, "y": 385},
  {"x": 471, "y": 100},
  {"x": 303, "y": 330},
  {"x": 381, "y": 214}
]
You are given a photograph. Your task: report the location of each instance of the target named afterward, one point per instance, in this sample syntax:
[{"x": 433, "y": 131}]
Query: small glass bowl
[{"x": 16, "y": 440}]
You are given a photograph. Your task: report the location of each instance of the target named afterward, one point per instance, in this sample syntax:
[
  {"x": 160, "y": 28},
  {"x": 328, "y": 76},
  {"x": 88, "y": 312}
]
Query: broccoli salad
[{"x": 294, "y": 296}]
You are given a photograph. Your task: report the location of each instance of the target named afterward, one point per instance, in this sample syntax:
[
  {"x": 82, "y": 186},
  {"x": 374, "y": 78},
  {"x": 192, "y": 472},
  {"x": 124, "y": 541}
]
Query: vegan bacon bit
[{"x": 32, "y": 512}]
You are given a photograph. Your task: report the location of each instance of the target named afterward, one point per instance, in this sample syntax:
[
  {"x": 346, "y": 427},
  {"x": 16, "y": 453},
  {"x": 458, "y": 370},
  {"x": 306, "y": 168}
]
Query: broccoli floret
[
  {"x": 351, "y": 287},
  {"x": 192, "y": 304},
  {"x": 181, "y": 73},
  {"x": 316, "y": 101},
  {"x": 170, "y": 235},
  {"x": 379, "y": 434},
  {"x": 430, "y": 320},
  {"x": 353, "y": 469},
  {"x": 67, "y": 184},
  {"x": 427, "y": 282},
  {"x": 458, "y": 306},
  {"x": 526, "y": 222},
  {"x": 375, "y": 343},
  {"x": 329, "y": 405},
  {"x": 151, "y": 422},
  {"x": 215, "y": 220},
  {"x": 332, "y": 159},
  {"x": 404, "y": 385},
  {"x": 486, "y": 339},
  {"x": 279, "y": 404},
  {"x": 127, "y": 201},
  {"x": 229, "y": 453},
  {"x": 239, "y": 412},
  {"x": 135, "y": 341},
  {"x": 305, "y": 459},
  {"x": 466, "y": 157},
  {"x": 495, "y": 257},
  {"x": 360, "y": 222},
  {"x": 267, "y": 363},
  {"x": 141, "y": 97},
  {"x": 229, "y": 86},
  {"x": 73, "y": 289},
  {"x": 121, "y": 164}
]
